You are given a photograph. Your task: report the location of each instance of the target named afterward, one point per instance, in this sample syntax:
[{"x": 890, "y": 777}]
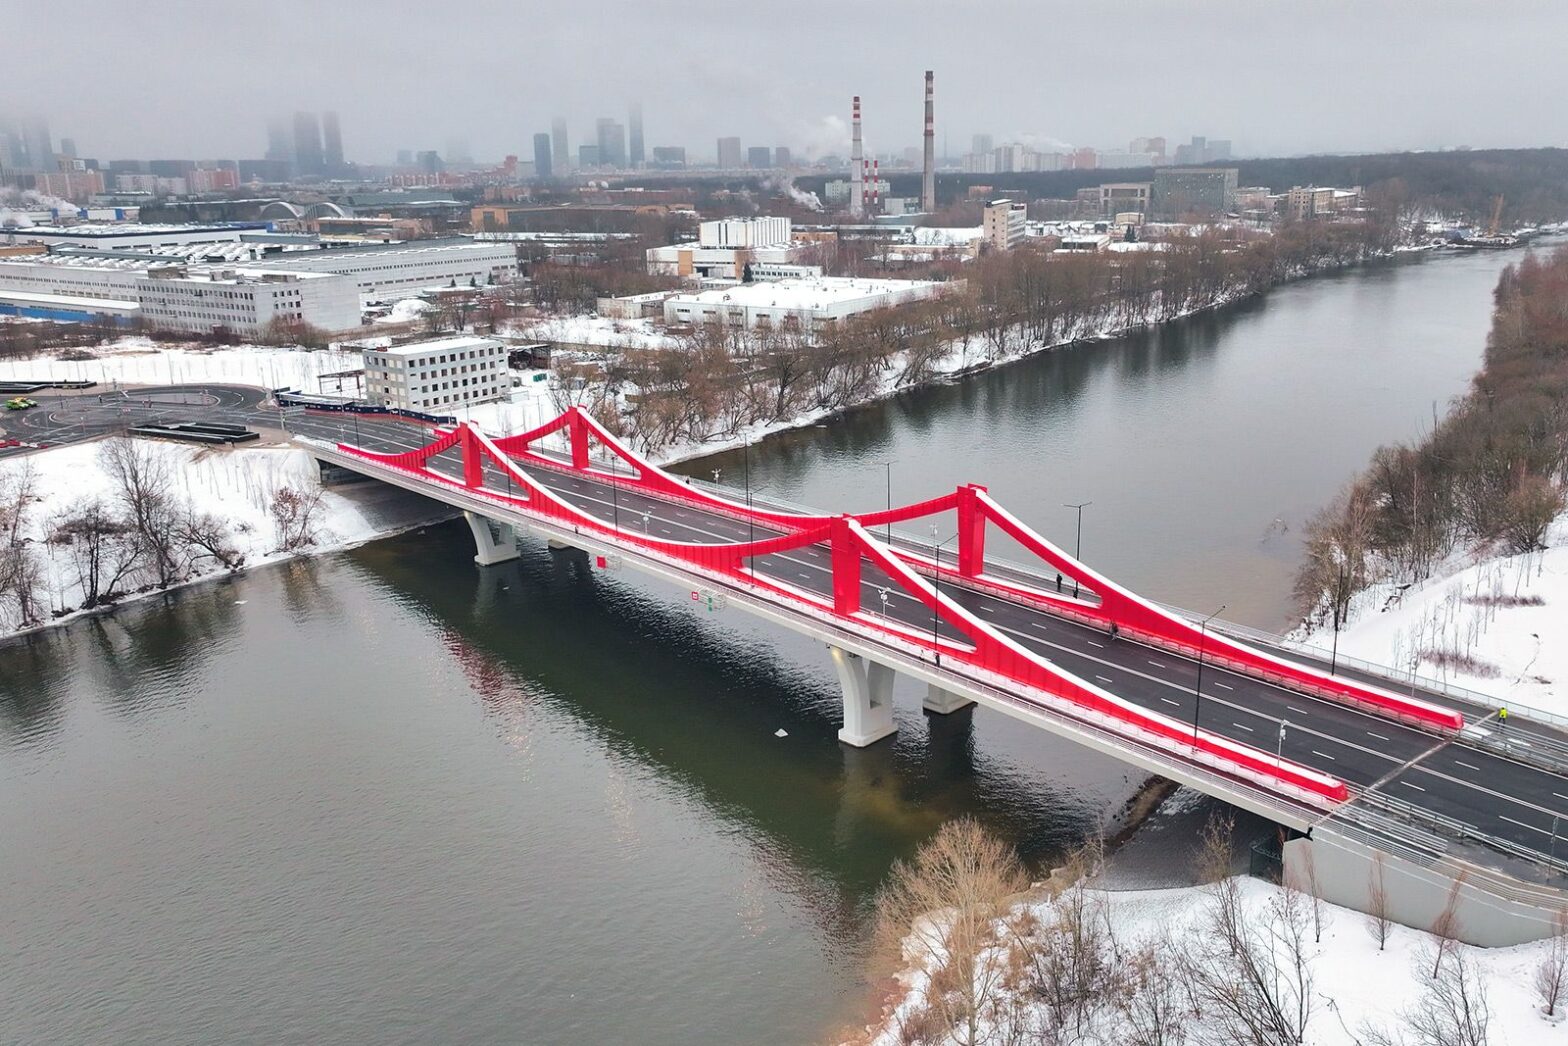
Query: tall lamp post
[
  {"x": 1203, "y": 636},
  {"x": 936, "y": 582},
  {"x": 1078, "y": 544}
]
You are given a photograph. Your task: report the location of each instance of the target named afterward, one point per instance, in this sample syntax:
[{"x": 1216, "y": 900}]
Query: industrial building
[
  {"x": 437, "y": 376},
  {"x": 384, "y": 271},
  {"x": 1124, "y": 197},
  {"x": 130, "y": 236},
  {"x": 724, "y": 249},
  {"x": 176, "y": 296},
  {"x": 813, "y": 304}
]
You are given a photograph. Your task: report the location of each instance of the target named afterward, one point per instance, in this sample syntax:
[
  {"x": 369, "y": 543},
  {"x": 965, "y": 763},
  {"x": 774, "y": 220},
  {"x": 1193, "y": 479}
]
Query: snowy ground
[
  {"x": 1353, "y": 983},
  {"x": 1497, "y": 625},
  {"x": 234, "y": 484},
  {"x": 140, "y": 361}
]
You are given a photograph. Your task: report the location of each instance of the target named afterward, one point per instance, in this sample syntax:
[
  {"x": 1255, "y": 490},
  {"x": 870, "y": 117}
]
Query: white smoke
[
  {"x": 786, "y": 187},
  {"x": 15, "y": 203},
  {"x": 825, "y": 136}
]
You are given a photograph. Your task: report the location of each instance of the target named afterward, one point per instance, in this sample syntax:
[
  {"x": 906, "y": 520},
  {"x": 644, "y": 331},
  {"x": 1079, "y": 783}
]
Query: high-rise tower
[{"x": 928, "y": 179}]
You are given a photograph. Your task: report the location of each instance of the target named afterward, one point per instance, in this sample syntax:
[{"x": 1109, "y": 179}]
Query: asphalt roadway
[{"x": 1455, "y": 778}]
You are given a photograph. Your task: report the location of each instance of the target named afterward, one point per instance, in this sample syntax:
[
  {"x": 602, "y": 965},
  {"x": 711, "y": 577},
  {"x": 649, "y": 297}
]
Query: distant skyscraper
[
  {"x": 634, "y": 121},
  {"x": 560, "y": 148},
  {"x": 983, "y": 144},
  {"x": 308, "y": 157},
  {"x": 332, "y": 142},
  {"x": 68, "y": 148},
  {"x": 729, "y": 153},
  {"x": 612, "y": 142},
  {"x": 781, "y": 156},
  {"x": 40, "y": 147},
  {"x": 669, "y": 156},
  {"x": 587, "y": 156},
  {"x": 405, "y": 157},
  {"x": 280, "y": 141},
  {"x": 457, "y": 150},
  {"x": 759, "y": 157},
  {"x": 429, "y": 162},
  {"x": 542, "y": 168}
]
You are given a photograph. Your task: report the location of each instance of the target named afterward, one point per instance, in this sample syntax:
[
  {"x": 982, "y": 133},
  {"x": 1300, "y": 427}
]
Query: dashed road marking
[
  {"x": 1244, "y": 726},
  {"x": 1156, "y": 664},
  {"x": 1468, "y": 766},
  {"x": 1170, "y": 702},
  {"x": 1094, "y": 644},
  {"x": 1222, "y": 686},
  {"x": 1298, "y": 711},
  {"x": 1103, "y": 679},
  {"x": 1417, "y": 787},
  {"x": 1521, "y": 824},
  {"x": 1324, "y": 755},
  {"x": 1380, "y": 737}
]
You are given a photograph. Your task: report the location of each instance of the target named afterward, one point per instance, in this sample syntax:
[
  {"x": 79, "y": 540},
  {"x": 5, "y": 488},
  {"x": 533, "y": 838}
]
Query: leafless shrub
[
  {"x": 1216, "y": 848},
  {"x": 144, "y": 485},
  {"x": 1454, "y": 1010},
  {"x": 293, "y": 512},
  {"x": 946, "y": 905},
  {"x": 1551, "y": 973},
  {"x": 1445, "y": 928},
  {"x": 1156, "y": 1010},
  {"x": 20, "y": 574}
]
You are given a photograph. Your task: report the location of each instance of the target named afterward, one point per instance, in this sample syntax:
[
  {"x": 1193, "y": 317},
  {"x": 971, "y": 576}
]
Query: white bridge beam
[
  {"x": 868, "y": 698},
  {"x": 494, "y": 541}
]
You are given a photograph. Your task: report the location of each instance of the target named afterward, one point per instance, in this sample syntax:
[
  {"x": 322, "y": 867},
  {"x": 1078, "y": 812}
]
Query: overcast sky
[{"x": 198, "y": 79}]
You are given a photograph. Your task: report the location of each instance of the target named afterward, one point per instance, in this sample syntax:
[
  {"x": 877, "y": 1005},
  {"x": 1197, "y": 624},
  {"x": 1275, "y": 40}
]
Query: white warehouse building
[
  {"x": 811, "y": 303},
  {"x": 385, "y": 271},
  {"x": 438, "y": 376},
  {"x": 193, "y": 298}
]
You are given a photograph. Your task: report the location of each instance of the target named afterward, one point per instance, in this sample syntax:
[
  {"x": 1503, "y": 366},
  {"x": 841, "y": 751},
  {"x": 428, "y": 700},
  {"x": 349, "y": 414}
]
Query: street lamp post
[
  {"x": 1279, "y": 750},
  {"x": 1197, "y": 708},
  {"x": 615, "y": 501},
  {"x": 936, "y": 582},
  {"x": 1078, "y": 544}
]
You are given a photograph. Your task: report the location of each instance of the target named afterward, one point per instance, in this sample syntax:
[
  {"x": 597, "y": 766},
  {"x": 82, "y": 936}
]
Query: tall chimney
[
  {"x": 928, "y": 182},
  {"x": 876, "y": 192},
  {"x": 857, "y": 192}
]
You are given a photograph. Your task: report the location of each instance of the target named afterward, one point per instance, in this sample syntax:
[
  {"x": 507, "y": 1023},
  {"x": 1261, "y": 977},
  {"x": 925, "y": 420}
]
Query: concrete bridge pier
[
  {"x": 494, "y": 541},
  {"x": 868, "y": 698},
  {"x": 941, "y": 702}
]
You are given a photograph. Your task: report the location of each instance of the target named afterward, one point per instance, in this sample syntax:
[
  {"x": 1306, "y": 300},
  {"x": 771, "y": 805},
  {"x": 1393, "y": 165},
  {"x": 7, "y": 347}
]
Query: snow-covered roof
[
  {"x": 810, "y": 293},
  {"x": 454, "y": 344},
  {"x": 933, "y": 236}
]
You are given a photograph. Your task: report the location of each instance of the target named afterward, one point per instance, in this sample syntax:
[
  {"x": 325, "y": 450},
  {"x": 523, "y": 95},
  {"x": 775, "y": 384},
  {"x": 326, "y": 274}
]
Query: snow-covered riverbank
[
  {"x": 1492, "y": 623},
  {"x": 236, "y": 487},
  {"x": 1352, "y": 988}
]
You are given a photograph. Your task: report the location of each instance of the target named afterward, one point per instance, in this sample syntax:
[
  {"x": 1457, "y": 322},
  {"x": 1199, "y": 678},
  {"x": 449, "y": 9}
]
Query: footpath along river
[{"x": 386, "y": 796}]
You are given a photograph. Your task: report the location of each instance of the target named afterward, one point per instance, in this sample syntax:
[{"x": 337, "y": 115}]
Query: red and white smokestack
[
  {"x": 857, "y": 173},
  {"x": 876, "y": 189},
  {"x": 928, "y": 182}
]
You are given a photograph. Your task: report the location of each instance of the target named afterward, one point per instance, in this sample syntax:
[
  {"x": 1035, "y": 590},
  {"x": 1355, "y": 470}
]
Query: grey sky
[{"x": 199, "y": 78}]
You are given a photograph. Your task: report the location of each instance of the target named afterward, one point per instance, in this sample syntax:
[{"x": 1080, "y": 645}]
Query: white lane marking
[
  {"x": 1093, "y": 643},
  {"x": 1103, "y": 679},
  {"x": 1222, "y": 686},
  {"x": 1298, "y": 711},
  {"x": 1521, "y": 824},
  {"x": 1170, "y": 702},
  {"x": 1468, "y": 766},
  {"x": 986, "y": 610},
  {"x": 1380, "y": 737},
  {"x": 1560, "y": 795},
  {"x": 1417, "y": 787},
  {"x": 806, "y": 576},
  {"x": 1245, "y": 727},
  {"x": 1156, "y": 664},
  {"x": 1324, "y": 755}
]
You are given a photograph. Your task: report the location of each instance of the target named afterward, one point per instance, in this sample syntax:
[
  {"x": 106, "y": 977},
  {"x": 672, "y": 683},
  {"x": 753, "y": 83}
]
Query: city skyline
[{"x": 1279, "y": 96}]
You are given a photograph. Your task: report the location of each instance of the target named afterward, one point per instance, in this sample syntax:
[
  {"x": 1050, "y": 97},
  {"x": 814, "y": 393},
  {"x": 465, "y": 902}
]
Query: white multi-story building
[
  {"x": 384, "y": 271},
  {"x": 1003, "y": 222},
  {"x": 123, "y": 236},
  {"x": 812, "y": 304},
  {"x": 435, "y": 377},
  {"x": 724, "y": 249},
  {"x": 193, "y": 298}
]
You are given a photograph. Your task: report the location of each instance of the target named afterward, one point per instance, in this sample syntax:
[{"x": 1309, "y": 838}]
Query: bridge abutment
[
  {"x": 868, "y": 698},
  {"x": 494, "y": 542}
]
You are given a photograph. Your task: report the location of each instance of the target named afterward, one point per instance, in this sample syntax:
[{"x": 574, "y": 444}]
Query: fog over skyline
[{"x": 169, "y": 79}]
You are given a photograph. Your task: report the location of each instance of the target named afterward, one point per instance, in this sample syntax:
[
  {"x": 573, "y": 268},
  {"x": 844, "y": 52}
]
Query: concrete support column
[
  {"x": 868, "y": 698},
  {"x": 493, "y": 541},
  {"x": 941, "y": 702}
]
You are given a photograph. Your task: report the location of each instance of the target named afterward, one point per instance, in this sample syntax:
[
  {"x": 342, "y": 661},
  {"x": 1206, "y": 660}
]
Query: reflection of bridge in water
[{"x": 1329, "y": 757}]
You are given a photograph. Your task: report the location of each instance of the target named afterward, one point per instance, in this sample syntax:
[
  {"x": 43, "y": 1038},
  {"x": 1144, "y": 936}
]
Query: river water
[{"x": 387, "y": 796}]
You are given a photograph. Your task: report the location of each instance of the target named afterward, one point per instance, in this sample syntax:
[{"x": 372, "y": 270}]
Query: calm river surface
[{"x": 388, "y": 797}]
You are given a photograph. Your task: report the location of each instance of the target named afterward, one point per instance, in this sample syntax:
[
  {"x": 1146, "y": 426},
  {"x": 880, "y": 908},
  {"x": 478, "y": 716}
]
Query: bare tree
[
  {"x": 208, "y": 537},
  {"x": 1445, "y": 928},
  {"x": 944, "y": 907},
  {"x": 1156, "y": 1010},
  {"x": 1454, "y": 1010},
  {"x": 1378, "y": 922},
  {"x": 1251, "y": 974},
  {"x": 144, "y": 485},
  {"x": 1551, "y": 973},
  {"x": 103, "y": 547},
  {"x": 20, "y": 574},
  {"x": 1306, "y": 881}
]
